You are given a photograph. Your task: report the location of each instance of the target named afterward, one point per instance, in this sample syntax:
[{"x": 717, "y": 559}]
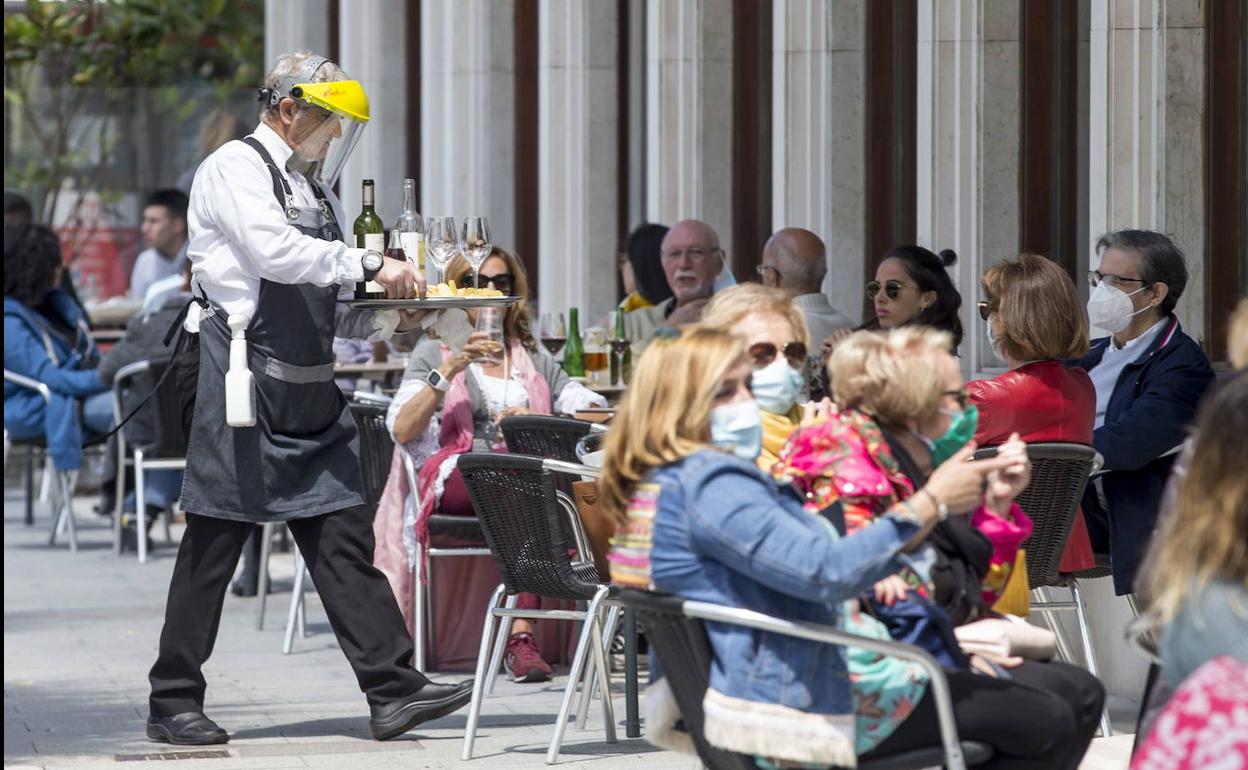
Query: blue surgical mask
[
  {"x": 993, "y": 342},
  {"x": 738, "y": 427},
  {"x": 777, "y": 386}
]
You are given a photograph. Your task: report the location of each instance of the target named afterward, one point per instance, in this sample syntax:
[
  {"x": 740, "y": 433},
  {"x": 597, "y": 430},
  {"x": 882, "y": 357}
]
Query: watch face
[{"x": 372, "y": 260}]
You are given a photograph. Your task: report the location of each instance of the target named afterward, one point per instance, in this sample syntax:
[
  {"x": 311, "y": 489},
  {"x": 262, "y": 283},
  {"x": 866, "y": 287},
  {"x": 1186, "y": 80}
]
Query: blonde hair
[
  {"x": 666, "y": 412},
  {"x": 891, "y": 375},
  {"x": 1040, "y": 314},
  {"x": 730, "y": 306},
  {"x": 1202, "y": 538},
  {"x": 518, "y": 322},
  {"x": 1237, "y": 335}
]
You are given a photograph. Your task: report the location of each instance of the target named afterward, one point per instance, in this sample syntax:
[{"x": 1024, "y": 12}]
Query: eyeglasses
[
  {"x": 762, "y": 271},
  {"x": 763, "y": 353},
  {"x": 501, "y": 281},
  {"x": 960, "y": 396},
  {"x": 695, "y": 254},
  {"x": 892, "y": 289},
  {"x": 985, "y": 310},
  {"x": 1096, "y": 276}
]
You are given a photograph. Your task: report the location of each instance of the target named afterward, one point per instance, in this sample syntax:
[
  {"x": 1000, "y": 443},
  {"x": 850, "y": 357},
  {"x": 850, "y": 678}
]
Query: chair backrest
[
  {"x": 518, "y": 507},
  {"x": 685, "y": 656},
  {"x": 1059, "y": 474},
  {"x": 543, "y": 435},
  {"x": 376, "y": 448}
]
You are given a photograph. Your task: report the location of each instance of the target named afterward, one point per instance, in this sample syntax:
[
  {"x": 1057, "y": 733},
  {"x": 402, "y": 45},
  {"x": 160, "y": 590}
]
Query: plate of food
[{"x": 442, "y": 296}]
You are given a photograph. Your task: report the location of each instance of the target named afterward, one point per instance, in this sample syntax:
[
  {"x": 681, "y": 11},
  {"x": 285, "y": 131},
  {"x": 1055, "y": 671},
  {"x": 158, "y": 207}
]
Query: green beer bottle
[{"x": 574, "y": 351}]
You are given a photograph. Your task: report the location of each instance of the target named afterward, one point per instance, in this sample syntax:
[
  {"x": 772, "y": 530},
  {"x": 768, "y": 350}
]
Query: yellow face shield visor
[{"x": 328, "y": 126}]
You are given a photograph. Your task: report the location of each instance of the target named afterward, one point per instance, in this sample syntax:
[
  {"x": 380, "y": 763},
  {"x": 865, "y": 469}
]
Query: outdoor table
[{"x": 385, "y": 371}]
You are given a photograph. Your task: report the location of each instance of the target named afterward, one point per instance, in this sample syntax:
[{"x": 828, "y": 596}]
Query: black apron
[{"x": 301, "y": 458}]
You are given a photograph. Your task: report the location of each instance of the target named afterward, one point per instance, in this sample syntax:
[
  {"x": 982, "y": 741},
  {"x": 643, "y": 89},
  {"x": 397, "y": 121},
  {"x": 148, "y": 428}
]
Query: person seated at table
[
  {"x": 144, "y": 340},
  {"x": 450, "y": 402},
  {"x": 46, "y": 339},
  {"x": 691, "y": 259},
  {"x": 1034, "y": 320},
  {"x": 641, "y": 270},
  {"x": 774, "y": 330},
  {"x": 1194, "y": 581},
  {"x": 164, "y": 231},
  {"x": 1149, "y": 377},
  {"x": 912, "y": 286},
  {"x": 682, "y": 456}
]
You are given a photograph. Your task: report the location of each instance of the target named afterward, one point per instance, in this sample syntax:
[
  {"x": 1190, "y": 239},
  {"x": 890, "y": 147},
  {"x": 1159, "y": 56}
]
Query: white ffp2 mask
[{"x": 1110, "y": 308}]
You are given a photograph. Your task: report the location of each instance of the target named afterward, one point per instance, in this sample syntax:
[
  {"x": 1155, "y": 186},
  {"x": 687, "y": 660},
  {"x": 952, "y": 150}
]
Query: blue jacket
[
  {"x": 1153, "y": 403},
  {"x": 724, "y": 533},
  {"x": 67, "y": 366}
]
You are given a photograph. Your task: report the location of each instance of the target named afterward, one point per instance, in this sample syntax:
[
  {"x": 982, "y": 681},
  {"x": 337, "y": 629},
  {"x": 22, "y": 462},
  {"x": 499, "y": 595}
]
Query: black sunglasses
[
  {"x": 892, "y": 288},
  {"x": 763, "y": 353},
  {"x": 501, "y": 281},
  {"x": 984, "y": 309},
  {"x": 960, "y": 396}
]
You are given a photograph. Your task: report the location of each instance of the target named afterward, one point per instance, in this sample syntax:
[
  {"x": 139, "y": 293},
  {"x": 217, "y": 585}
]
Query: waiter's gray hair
[{"x": 289, "y": 65}]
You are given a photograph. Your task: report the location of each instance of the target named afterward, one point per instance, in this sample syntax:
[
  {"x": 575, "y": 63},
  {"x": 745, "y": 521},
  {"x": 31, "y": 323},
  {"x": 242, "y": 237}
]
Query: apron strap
[{"x": 281, "y": 188}]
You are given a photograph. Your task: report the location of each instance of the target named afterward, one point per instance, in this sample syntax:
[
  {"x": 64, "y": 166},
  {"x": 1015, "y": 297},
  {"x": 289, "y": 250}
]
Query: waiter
[{"x": 268, "y": 255}]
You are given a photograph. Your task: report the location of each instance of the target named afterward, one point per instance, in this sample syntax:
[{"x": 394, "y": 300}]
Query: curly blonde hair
[
  {"x": 666, "y": 413},
  {"x": 728, "y": 307},
  {"x": 891, "y": 375}
]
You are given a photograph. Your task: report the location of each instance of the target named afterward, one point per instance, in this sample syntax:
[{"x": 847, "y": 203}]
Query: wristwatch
[
  {"x": 371, "y": 262},
  {"x": 437, "y": 381}
]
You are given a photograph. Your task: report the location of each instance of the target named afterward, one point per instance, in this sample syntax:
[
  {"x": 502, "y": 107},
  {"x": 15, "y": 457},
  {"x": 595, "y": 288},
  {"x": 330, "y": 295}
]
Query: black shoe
[
  {"x": 430, "y": 702},
  {"x": 248, "y": 585},
  {"x": 190, "y": 728}
]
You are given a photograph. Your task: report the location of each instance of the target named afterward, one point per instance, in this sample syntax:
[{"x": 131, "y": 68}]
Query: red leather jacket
[{"x": 1044, "y": 401}]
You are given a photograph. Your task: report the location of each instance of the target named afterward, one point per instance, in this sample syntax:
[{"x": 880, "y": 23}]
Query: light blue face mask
[
  {"x": 725, "y": 277},
  {"x": 738, "y": 427},
  {"x": 776, "y": 386}
]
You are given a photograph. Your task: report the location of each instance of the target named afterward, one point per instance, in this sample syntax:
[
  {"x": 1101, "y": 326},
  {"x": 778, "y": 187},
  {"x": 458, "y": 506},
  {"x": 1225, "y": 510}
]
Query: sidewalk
[{"x": 80, "y": 633}]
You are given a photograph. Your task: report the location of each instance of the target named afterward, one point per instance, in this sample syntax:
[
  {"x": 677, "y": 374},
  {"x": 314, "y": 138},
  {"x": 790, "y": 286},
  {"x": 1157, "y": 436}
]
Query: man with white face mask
[{"x": 1149, "y": 377}]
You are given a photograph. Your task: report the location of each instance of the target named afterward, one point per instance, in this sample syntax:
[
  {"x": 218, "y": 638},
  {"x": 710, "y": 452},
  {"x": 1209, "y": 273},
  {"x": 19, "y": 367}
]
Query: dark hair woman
[
  {"x": 912, "y": 286},
  {"x": 641, "y": 269}
]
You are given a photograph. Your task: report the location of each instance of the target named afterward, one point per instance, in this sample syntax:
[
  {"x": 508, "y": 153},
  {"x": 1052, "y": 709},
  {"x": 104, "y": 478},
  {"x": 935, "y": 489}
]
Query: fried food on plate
[{"x": 449, "y": 289}]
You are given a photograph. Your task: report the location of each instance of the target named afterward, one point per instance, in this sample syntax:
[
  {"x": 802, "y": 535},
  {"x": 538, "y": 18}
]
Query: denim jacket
[{"x": 724, "y": 533}]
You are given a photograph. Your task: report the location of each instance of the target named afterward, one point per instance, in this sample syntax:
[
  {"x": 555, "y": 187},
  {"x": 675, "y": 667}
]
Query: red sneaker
[{"x": 524, "y": 661}]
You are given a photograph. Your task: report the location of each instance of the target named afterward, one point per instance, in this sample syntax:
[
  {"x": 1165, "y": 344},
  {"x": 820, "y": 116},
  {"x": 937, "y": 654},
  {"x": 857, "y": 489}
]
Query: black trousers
[
  {"x": 1042, "y": 719},
  {"x": 338, "y": 549}
]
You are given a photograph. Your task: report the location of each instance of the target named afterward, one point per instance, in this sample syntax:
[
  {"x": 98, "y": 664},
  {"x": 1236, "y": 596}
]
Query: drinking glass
[
  {"x": 597, "y": 362},
  {"x": 553, "y": 332},
  {"x": 475, "y": 242},
  {"x": 490, "y": 322},
  {"x": 443, "y": 243}
]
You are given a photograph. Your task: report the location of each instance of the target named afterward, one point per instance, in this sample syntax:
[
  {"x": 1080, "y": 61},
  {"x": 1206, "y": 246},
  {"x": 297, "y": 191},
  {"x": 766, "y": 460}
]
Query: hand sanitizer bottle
[{"x": 240, "y": 383}]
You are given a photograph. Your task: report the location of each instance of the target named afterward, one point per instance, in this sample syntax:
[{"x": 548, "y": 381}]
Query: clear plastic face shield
[{"x": 323, "y": 141}]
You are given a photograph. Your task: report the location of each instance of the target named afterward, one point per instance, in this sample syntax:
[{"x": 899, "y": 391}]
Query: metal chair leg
[
  {"x": 140, "y": 504},
  {"x": 588, "y": 632},
  {"x": 604, "y": 672},
  {"x": 418, "y": 608},
  {"x": 266, "y": 538},
  {"x": 591, "y": 674},
  {"x": 67, "y": 505},
  {"x": 296, "y": 601},
  {"x": 632, "y": 717},
  {"x": 301, "y": 617},
  {"x": 431, "y": 628},
  {"x": 30, "y": 486},
  {"x": 478, "y": 685},
  {"x": 119, "y": 502},
  {"x": 500, "y": 645},
  {"x": 1085, "y": 631}
]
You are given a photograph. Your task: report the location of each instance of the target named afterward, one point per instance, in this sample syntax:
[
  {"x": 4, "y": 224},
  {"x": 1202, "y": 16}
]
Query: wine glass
[
  {"x": 553, "y": 332},
  {"x": 475, "y": 242},
  {"x": 443, "y": 243}
]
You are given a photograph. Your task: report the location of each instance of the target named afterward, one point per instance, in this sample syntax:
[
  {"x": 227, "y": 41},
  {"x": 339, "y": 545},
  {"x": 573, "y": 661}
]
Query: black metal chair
[
  {"x": 674, "y": 627},
  {"x": 1059, "y": 475},
  {"x": 63, "y": 489},
  {"x": 165, "y": 450},
  {"x": 525, "y": 523},
  {"x": 541, "y": 435}
]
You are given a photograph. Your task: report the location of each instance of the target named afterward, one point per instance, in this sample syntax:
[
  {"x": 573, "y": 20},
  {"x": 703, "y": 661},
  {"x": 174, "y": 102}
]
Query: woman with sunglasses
[
  {"x": 912, "y": 286},
  {"x": 450, "y": 402},
  {"x": 1034, "y": 319},
  {"x": 681, "y": 466},
  {"x": 774, "y": 331}
]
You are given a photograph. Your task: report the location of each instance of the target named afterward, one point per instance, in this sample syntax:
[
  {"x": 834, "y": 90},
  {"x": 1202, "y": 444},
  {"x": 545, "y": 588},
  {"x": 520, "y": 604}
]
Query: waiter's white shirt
[{"x": 239, "y": 233}]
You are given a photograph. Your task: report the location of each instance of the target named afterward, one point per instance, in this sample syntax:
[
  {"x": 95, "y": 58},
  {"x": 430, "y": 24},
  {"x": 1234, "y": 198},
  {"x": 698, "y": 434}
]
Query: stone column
[
  {"x": 1146, "y": 125},
  {"x": 818, "y": 145},
  {"x": 577, "y": 154},
  {"x": 371, "y": 51},
  {"x": 468, "y": 112},
  {"x": 295, "y": 25},
  {"x": 689, "y": 113},
  {"x": 968, "y": 143}
]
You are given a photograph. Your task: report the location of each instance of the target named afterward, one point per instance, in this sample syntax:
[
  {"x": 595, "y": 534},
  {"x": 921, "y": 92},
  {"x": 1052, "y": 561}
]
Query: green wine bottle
[
  {"x": 369, "y": 234},
  {"x": 574, "y": 352}
]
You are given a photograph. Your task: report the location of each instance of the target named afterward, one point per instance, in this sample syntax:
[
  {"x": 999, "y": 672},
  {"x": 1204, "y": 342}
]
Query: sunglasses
[
  {"x": 985, "y": 310},
  {"x": 892, "y": 289},
  {"x": 763, "y": 353},
  {"x": 960, "y": 396},
  {"x": 501, "y": 281}
]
